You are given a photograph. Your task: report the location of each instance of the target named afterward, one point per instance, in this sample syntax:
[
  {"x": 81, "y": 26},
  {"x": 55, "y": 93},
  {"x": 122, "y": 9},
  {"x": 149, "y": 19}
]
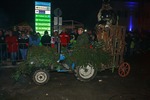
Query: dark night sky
[{"x": 17, "y": 11}]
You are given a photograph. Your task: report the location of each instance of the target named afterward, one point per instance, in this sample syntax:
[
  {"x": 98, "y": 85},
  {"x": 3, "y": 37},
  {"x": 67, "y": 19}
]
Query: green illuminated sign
[
  {"x": 42, "y": 24},
  {"x": 42, "y": 17},
  {"x": 42, "y": 20}
]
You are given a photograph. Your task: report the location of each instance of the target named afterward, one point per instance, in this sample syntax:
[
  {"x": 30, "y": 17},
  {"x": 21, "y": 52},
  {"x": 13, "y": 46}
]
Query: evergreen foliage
[
  {"x": 43, "y": 57},
  {"x": 95, "y": 55}
]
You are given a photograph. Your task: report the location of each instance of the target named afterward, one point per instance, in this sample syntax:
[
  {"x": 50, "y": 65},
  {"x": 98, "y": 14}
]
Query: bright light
[
  {"x": 130, "y": 24},
  {"x": 85, "y": 30}
]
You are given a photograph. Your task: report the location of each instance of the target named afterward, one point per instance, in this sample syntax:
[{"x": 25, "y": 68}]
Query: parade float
[
  {"x": 106, "y": 53},
  {"x": 113, "y": 36}
]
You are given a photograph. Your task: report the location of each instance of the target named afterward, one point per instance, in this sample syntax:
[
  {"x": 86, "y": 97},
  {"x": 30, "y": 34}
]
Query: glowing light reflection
[{"x": 131, "y": 24}]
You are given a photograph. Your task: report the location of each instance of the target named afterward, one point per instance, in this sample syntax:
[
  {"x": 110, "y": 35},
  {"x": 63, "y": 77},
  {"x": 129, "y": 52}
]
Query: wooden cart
[{"x": 114, "y": 40}]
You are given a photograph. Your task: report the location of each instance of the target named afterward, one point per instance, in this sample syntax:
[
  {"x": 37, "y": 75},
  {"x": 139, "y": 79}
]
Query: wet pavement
[{"x": 65, "y": 86}]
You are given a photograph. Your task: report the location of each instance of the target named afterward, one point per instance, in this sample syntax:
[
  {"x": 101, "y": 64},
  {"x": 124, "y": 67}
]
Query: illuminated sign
[{"x": 42, "y": 17}]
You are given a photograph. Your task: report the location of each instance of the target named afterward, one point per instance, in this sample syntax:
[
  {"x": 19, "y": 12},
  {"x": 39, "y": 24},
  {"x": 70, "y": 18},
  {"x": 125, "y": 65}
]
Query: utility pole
[{"x": 58, "y": 23}]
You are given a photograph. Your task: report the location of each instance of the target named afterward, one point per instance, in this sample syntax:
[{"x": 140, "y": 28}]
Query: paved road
[{"x": 64, "y": 86}]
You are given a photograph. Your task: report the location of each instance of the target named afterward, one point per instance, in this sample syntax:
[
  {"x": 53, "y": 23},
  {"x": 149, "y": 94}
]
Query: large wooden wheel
[{"x": 124, "y": 69}]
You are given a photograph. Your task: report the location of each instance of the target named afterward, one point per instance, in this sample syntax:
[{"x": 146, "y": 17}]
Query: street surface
[{"x": 65, "y": 86}]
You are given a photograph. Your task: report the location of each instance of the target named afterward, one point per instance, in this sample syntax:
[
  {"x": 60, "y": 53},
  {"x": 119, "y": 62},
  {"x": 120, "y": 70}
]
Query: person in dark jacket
[
  {"x": 23, "y": 45},
  {"x": 46, "y": 39},
  {"x": 83, "y": 38},
  {"x": 2, "y": 47}
]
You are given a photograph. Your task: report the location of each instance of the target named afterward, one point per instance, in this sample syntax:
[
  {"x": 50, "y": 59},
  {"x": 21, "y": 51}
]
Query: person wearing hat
[
  {"x": 46, "y": 39},
  {"x": 83, "y": 38}
]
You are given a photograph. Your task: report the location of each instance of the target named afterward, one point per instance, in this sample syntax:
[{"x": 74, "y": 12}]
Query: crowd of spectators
[
  {"x": 14, "y": 44},
  {"x": 136, "y": 43}
]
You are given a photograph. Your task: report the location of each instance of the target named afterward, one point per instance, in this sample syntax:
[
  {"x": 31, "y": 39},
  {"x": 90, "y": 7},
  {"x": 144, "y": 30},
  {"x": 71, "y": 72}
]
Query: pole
[{"x": 58, "y": 45}]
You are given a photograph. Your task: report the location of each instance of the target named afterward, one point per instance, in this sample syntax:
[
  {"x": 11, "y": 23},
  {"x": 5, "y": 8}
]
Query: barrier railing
[{"x": 7, "y": 57}]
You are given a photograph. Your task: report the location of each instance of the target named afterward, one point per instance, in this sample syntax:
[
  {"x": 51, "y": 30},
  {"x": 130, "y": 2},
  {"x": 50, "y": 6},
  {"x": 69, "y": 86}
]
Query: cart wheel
[
  {"x": 40, "y": 77},
  {"x": 124, "y": 69},
  {"x": 85, "y": 73}
]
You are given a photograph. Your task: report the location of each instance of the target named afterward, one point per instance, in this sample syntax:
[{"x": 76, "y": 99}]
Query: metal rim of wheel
[
  {"x": 124, "y": 69},
  {"x": 86, "y": 72},
  {"x": 41, "y": 77}
]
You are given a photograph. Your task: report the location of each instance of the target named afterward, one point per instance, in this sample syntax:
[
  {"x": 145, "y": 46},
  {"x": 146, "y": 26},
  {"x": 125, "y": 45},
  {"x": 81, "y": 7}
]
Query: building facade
[{"x": 132, "y": 14}]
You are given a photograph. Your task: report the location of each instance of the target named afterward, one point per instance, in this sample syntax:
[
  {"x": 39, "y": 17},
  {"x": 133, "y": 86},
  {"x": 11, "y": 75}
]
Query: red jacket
[
  {"x": 12, "y": 43},
  {"x": 64, "y": 39}
]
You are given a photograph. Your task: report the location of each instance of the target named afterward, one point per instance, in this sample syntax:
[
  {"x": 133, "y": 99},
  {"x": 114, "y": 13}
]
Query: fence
[{"x": 6, "y": 57}]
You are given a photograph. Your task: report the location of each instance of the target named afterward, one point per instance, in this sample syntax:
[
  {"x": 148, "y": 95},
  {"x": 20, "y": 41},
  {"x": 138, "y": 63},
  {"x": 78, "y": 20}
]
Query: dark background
[{"x": 13, "y": 12}]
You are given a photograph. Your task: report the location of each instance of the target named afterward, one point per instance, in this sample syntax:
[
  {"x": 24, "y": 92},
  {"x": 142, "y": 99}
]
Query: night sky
[{"x": 13, "y": 12}]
